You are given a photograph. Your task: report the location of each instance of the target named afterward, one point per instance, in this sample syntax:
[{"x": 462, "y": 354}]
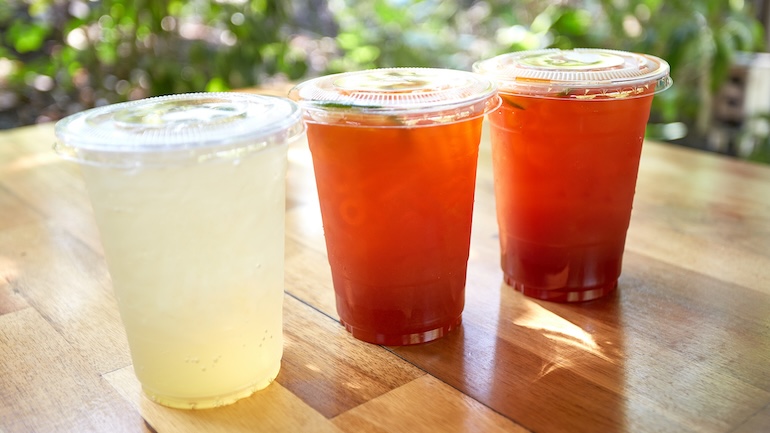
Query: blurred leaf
[
  {"x": 349, "y": 41},
  {"x": 217, "y": 84},
  {"x": 38, "y": 7},
  {"x": 575, "y": 22},
  {"x": 365, "y": 54},
  {"x": 388, "y": 13},
  {"x": 259, "y": 6},
  {"x": 545, "y": 19},
  {"x": 300, "y": 38},
  {"x": 27, "y": 37},
  {"x": 106, "y": 54}
]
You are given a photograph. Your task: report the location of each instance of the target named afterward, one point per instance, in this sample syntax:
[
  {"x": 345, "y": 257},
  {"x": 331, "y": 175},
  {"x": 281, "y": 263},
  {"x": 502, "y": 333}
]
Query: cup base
[
  {"x": 212, "y": 401},
  {"x": 401, "y": 339},
  {"x": 567, "y": 294}
]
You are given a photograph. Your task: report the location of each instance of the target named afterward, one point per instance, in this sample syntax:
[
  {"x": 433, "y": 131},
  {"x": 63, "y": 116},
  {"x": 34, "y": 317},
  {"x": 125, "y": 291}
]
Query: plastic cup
[
  {"x": 565, "y": 146},
  {"x": 395, "y": 153},
  {"x": 188, "y": 192}
]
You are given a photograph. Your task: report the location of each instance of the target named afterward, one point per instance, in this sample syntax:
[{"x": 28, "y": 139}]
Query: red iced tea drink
[
  {"x": 566, "y": 154},
  {"x": 397, "y": 205},
  {"x": 396, "y": 183}
]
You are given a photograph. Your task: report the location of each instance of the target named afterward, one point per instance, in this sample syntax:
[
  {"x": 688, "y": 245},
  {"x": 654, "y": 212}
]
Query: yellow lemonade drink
[
  {"x": 196, "y": 259},
  {"x": 194, "y": 244}
]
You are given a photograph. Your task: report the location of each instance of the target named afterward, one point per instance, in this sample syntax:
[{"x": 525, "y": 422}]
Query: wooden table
[{"x": 683, "y": 345}]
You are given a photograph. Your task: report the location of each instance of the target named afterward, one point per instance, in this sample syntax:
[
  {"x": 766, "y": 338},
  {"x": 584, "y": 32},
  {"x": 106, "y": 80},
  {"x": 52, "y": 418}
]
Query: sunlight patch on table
[
  {"x": 569, "y": 338},
  {"x": 273, "y": 409}
]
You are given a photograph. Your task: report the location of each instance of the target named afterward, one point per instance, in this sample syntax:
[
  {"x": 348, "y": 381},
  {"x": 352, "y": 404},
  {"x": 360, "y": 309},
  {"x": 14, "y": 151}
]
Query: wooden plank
[
  {"x": 424, "y": 405},
  {"x": 759, "y": 422},
  {"x": 308, "y": 277},
  {"x": 704, "y": 174},
  {"x": 38, "y": 136},
  {"x": 301, "y": 187},
  {"x": 10, "y": 301},
  {"x": 46, "y": 385},
  {"x": 273, "y": 409},
  {"x": 645, "y": 359},
  {"x": 539, "y": 393},
  {"x": 705, "y": 255},
  {"x": 321, "y": 356},
  {"x": 10, "y": 298},
  {"x": 705, "y": 213},
  {"x": 67, "y": 283},
  {"x": 50, "y": 186},
  {"x": 14, "y": 211}
]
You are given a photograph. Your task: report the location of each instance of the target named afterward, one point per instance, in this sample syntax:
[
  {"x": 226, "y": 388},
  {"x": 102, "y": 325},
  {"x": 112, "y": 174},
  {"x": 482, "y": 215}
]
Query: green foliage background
[{"x": 58, "y": 57}]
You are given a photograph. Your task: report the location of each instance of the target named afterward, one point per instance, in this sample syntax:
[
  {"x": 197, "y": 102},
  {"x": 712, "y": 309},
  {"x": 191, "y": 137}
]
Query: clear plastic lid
[
  {"x": 164, "y": 129},
  {"x": 580, "y": 73},
  {"x": 396, "y": 97}
]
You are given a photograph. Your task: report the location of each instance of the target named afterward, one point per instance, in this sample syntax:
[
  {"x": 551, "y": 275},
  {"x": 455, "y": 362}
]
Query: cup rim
[
  {"x": 166, "y": 129},
  {"x": 406, "y": 96},
  {"x": 579, "y": 73}
]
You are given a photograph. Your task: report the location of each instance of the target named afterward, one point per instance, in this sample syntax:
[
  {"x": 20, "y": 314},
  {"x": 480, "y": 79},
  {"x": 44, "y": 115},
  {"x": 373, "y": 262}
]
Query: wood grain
[
  {"x": 9, "y": 200},
  {"x": 274, "y": 409},
  {"x": 682, "y": 346},
  {"x": 67, "y": 283},
  {"x": 10, "y": 298},
  {"x": 759, "y": 422},
  {"x": 356, "y": 371},
  {"x": 703, "y": 212},
  {"x": 45, "y": 184},
  {"x": 48, "y": 386},
  {"x": 425, "y": 405},
  {"x": 633, "y": 356}
]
